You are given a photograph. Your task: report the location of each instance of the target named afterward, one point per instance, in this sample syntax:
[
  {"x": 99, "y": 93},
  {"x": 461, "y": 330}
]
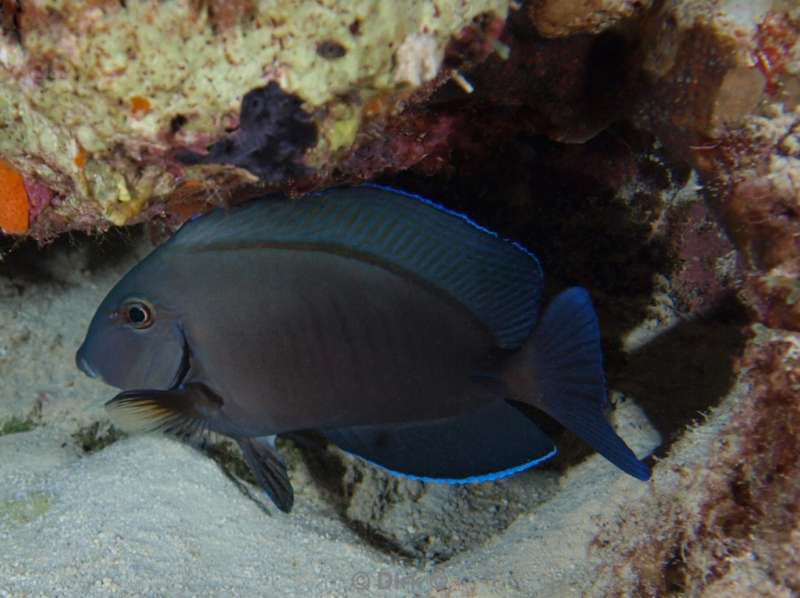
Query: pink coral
[{"x": 39, "y": 196}]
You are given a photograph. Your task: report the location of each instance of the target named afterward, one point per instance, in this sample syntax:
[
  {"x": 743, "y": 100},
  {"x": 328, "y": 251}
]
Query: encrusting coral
[
  {"x": 99, "y": 100},
  {"x": 600, "y": 123}
]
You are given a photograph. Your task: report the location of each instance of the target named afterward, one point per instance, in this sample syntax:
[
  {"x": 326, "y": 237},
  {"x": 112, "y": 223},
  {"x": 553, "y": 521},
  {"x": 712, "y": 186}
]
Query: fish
[{"x": 401, "y": 331}]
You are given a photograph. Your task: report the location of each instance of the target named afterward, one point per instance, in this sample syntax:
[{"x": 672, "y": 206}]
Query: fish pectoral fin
[
  {"x": 270, "y": 471},
  {"x": 182, "y": 411}
]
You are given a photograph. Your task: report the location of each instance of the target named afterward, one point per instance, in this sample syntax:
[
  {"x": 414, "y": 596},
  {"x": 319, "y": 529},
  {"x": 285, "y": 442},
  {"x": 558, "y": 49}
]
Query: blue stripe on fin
[
  {"x": 494, "y": 441},
  {"x": 489, "y": 477},
  {"x": 438, "y": 206},
  {"x": 447, "y": 210},
  {"x": 498, "y": 281}
]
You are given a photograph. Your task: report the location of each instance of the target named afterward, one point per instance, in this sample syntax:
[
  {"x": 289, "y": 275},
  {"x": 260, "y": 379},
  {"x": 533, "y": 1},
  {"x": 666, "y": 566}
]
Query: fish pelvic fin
[
  {"x": 182, "y": 411},
  {"x": 560, "y": 371},
  {"x": 269, "y": 469}
]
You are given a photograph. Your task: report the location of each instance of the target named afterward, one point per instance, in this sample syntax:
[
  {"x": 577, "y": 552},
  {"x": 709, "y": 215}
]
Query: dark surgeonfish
[{"x": 405, "y": 333}]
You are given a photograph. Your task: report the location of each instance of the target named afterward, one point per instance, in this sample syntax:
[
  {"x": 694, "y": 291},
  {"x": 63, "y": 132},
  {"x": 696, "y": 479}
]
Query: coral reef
[
  {"x": 719, "y": 87},
  {"x": 97, "y": 98},
  {"x": 724, "y": 91},
  {"x": 727, "y": 518},
  {"x": 561, "y": 18},
  {"x": 649, "y": 151}
]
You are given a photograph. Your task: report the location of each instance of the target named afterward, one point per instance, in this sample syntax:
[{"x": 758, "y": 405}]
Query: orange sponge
[
  {"x": 140, "y": 105},
  {"x": 13, "y": 200}
]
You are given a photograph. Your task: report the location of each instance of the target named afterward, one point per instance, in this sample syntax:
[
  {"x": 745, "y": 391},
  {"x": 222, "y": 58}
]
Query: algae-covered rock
[
  {"x": 95, "y": 98},
  {"x": 560, "y": 18},
  {"x": 24, "y": 508}
]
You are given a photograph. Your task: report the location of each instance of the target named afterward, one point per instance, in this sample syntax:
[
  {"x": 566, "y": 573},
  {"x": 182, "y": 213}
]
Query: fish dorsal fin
[{"x": 499, "y": 281}]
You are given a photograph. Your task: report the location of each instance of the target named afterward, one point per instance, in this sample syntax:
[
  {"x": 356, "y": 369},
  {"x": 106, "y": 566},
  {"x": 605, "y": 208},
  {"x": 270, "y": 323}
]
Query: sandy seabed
[{"x": 149, "y": 516}]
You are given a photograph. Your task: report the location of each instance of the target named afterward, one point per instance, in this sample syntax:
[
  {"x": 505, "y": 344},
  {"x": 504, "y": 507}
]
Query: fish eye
[{"x": 137, "y": 313}]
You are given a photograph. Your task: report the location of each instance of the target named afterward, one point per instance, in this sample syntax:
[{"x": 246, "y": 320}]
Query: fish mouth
[{"x": 84, "y": 365}]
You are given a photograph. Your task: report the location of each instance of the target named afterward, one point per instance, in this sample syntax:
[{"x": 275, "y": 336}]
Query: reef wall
[{"x": 100, "y": 101}]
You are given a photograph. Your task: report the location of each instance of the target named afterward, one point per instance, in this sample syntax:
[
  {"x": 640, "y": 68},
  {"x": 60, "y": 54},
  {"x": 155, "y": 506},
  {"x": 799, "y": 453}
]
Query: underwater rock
[
  {"x": 561, "y": 18},
  {"x": 723, "y": 515},
  {"x": 97, "y": 98},
  {"x": 724, "y": 91}
]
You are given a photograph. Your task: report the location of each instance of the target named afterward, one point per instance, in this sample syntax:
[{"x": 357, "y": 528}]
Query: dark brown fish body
[
  {"x": 401, "y": 331},
  {"x": 337, "y": 342}
]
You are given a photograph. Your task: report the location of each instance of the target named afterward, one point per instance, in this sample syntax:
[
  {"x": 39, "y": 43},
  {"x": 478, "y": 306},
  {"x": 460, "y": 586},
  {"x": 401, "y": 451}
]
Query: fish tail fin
[{"x": 560, "y": 371}]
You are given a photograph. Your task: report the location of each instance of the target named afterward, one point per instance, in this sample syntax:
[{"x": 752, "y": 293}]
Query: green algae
[
  {"x": 96, "y": 436},
  {"x": 14, "y": 425},
  {"x": 230, "y": 459},
  {"x": 25, "y": 509}
]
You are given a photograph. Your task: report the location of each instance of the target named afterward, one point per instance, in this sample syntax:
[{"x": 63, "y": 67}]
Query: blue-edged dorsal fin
[{"x": 498, "y": 281}]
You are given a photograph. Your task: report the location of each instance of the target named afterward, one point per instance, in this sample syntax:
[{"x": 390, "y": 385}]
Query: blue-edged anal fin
[
  {"x": 490, "y": 442},
  {"x": 560, "y": 371},
  {"x": 188, "y": 409}
]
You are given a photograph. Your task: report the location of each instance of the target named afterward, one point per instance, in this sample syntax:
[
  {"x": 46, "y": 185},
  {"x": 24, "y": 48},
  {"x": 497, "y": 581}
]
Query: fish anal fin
[{"x": 488, "y": 443}]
